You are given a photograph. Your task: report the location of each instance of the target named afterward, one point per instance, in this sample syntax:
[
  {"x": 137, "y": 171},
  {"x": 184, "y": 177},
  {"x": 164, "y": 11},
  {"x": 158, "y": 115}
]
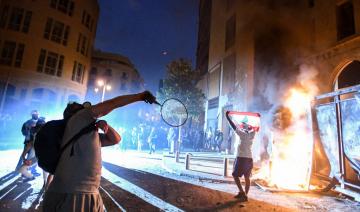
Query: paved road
[{"x": 124, "y": 189}]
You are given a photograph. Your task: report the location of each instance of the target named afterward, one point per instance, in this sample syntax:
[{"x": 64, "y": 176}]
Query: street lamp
[{"x": 105, "y": 87}]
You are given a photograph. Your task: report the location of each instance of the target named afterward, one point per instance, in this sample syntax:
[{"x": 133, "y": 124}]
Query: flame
[{"x": 290, "y": 161}]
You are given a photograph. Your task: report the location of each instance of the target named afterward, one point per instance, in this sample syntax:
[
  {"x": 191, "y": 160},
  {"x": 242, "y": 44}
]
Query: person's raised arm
[
  {"x": 229, "y": 120},
  {"x": 110, "y": 136},
  {"x": 107, "y": 106}
]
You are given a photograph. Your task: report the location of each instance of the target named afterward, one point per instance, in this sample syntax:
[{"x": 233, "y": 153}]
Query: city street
[{"x": 141, "y": 182}]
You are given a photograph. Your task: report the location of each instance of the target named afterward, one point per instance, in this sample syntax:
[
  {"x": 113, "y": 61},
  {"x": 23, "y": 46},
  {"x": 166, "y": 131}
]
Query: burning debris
[{"x": 291, "y": 140}]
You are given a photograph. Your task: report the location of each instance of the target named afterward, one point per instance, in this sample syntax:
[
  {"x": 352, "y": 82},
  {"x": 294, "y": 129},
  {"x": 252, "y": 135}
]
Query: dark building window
[
  {"x": 56, "y": 31},
  {"x": 41, "y": 60},
  {"x": 87, "y": 20},
  {"x": 12, "y": 53},
  {"x": 345, "y": 20},
  {"x": 64, "y": 6},
  {"x": 50, "y": 63},
  {"x": 27, "y": 21},
  {"x": 7, "y": 53},
  {"x": 4, "y": 16},
  {"x": 16, "y": 18},
  {"x": 48, "y": 28},
  {"x": 82, "y": 45},
  {"x": 230, "y": 32},
  {"x": 349, "y": 76},
  {"x": 229, "y": 68},
  {"x": 78, "y": 72},
  {"x": 19, "y": 55},
  {"x": 311, "y": 3},
  {"x": 66, "y": 35}
]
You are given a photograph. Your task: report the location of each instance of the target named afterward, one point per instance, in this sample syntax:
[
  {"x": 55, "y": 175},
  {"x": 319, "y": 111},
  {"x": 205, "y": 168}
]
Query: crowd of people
[
  {"x": 152, "y": 137},
  {"x": 74, "y": 184}
]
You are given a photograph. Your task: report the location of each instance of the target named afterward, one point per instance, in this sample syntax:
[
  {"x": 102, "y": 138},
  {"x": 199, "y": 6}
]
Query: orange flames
[{"x": 291, "y": 155}]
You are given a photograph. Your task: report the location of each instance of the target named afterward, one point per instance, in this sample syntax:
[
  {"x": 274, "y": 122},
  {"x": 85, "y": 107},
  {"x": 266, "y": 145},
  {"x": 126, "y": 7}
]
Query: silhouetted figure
[
  {"x": 152, "y": 140},
  {"x": 219, "y": 137},
  {"x": 243, "y": 163},
  {"x": 26, "y": 131},
  {"x": 76, "y": 182},
  {"x": 172, "y": 140}
]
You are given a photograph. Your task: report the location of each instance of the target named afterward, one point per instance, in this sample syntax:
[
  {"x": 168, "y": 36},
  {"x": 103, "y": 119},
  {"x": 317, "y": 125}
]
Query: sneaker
[
  {"x": 239, "y": 195},
  {"x": 242, "y": 197}
]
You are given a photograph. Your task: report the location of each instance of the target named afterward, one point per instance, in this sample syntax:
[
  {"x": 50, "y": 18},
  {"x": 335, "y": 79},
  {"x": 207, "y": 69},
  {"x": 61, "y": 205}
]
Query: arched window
[
  {"x": 38, "y": 93},
  {"x": 350, "y": 75}
]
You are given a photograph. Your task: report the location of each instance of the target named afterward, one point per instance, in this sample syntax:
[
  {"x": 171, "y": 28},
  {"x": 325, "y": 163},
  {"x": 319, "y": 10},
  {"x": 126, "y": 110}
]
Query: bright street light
[
  {"x": 100, "y": 82},
  {"x": 105, "y": 87}
]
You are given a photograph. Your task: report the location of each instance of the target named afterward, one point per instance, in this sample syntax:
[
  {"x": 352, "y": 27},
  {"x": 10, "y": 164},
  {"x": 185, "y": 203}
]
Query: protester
[
  {"x": 243, "y": 163},
  {"x": 46, "y": 176},
  {"x": 208, "y": 138},
  {"x": 171, "y": 137},
  {"x": 218, "y": 140},
  {"x": 134, "y": 138},
  {"x": 26, "y": 131},
  {"x": 29, "y": 159},
  {"x": 141, "y": 138},
  {"x": 78, "y": 173},
  {"x": 152, "y": 140},
  {"x": 198, "y": 140}
]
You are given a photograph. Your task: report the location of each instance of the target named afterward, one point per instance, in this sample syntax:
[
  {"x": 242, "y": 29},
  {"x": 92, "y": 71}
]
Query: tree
[{"x": 180, "y": 82}]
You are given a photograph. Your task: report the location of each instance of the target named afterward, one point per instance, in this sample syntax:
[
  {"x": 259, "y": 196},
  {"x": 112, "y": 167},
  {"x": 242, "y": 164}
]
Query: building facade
[
  {"x": 112, "y": 75},
  {"x": 116, "y": 75},
  {"x": 45, "y": 53},
  {"x": 256, "y": 49}
]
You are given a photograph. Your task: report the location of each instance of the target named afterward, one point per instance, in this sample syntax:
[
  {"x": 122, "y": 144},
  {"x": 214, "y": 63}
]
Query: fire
[{"x": 291, "y": 157}]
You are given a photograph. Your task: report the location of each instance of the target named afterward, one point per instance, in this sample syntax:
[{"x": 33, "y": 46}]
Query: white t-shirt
[
  {"x": 243, "y": 148},
  {"x": 81, "y": 172}
]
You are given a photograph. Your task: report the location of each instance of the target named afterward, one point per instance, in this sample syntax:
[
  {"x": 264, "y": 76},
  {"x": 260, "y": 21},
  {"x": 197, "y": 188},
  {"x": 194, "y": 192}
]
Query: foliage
[{"x": 180, "y": 82}]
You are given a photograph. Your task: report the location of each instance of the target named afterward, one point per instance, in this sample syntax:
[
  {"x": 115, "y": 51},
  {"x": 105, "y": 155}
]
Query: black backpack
[{"x": 48, "y": 140}]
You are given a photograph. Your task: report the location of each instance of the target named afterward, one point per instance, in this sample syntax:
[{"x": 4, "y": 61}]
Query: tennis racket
[{"x": 173, "y": 112}]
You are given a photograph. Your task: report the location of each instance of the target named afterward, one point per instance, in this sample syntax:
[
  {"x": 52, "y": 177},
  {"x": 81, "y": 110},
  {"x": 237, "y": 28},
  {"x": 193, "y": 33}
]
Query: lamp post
[{"x": 105, "y": 86}]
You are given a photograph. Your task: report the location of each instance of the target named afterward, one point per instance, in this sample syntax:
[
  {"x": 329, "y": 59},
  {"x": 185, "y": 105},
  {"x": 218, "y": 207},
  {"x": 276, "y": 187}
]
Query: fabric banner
[{"x": 250, "y": 118}]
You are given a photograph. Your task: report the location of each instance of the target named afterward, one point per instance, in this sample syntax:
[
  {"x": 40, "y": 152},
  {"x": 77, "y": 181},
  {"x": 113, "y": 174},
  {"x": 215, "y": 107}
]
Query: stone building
[
  {"x": 45, "y": 53},
  {"x": 257, "y": 50},
  {"x": 257, "y": 47},
  {"x": 116, "y": 74},
  {"x": 112, "y": 75}
]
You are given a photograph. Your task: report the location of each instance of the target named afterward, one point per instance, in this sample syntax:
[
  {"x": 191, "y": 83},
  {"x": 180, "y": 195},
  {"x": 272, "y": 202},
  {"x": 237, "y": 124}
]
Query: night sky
[{"x": 143, "y": 29}]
